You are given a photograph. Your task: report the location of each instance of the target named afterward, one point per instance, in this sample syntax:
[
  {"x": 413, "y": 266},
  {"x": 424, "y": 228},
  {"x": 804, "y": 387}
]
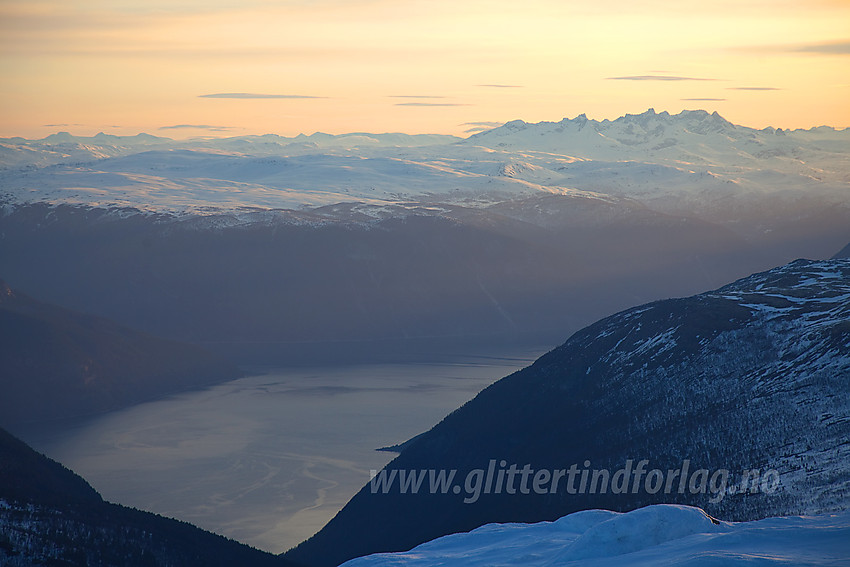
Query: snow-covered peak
[
  {"x": 514, "y": 125},
  {"x": 800, "y": 278},
  {"x": 636, "y": 136},
  {"x": 101, "y": 138},
  {"x": 693, "y": 120}
]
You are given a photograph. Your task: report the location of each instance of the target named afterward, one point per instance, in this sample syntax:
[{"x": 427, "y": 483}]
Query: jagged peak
[{"x": 643, "y": 116}]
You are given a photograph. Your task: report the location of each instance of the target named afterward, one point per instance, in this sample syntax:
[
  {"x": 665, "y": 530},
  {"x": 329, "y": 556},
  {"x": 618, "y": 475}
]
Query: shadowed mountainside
[
  {"x": 51, "y": 516},
  {"x": 57, "y": 363},
  {"x": 274, "y": 287}
]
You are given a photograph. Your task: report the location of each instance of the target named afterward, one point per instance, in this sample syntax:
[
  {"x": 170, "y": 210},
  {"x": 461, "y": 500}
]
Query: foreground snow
[{"x": 652, "y": 536}]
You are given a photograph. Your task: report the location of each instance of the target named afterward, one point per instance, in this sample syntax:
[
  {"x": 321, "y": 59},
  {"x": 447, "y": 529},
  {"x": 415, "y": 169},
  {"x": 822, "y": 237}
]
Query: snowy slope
[
  {"x": 205, "y": 181},
  {"x": 652, "y": 536}
]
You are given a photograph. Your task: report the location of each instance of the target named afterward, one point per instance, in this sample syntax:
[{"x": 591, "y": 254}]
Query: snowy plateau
[
  {"x": 654, "y": 536},
  {"x": 692, "y": 160}
]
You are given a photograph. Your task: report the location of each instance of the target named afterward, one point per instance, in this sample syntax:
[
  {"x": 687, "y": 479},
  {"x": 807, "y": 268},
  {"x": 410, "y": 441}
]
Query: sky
[{"x": 185, "y": 68}]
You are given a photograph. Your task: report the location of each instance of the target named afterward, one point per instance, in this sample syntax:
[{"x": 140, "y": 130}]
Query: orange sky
[{"x": 125, "y": 66}]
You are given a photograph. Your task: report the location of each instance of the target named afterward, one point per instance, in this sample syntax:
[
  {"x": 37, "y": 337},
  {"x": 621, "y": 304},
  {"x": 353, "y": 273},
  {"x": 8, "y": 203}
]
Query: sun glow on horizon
[{"x": 412, "y": 66}]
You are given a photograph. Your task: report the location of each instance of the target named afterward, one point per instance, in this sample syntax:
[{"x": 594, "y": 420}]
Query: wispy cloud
[
  {"x": 831, "y": 48},
  {"x": 209, "y": 127},
  {"x": 841, "y": 47},
  {"x": 484, "y": 124},
  {"x": 497, "y": 86},
  {"x": 430, "y": 104},
  {"x": 254, "y": 95},
  {"x": 753, "y": 89},
  {"x": 704, "y": 99},
  {"x": 656, "y": 78},
  {"x": 60, "y": 125},
  {"x": 415, "y": 96},
  {"x": 480, "y": 126}
]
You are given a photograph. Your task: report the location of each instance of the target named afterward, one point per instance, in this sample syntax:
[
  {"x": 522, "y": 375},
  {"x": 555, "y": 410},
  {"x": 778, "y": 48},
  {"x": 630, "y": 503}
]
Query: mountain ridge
[
  {"x": 663, "y": 135},
  {"x": 708, "y": 121},
  {"x": 580, "y": 120},
  {"x": 691, "y": 163}
]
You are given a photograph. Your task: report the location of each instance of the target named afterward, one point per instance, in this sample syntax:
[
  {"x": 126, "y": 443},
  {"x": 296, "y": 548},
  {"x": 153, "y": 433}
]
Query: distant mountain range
[
  {"x": 324, "y": 246},
  {"x": 331, "y": 247},
  {"x": 51, "y": 516},
  {"x": 750, "y": 377},
  {"x": 689, "y": 162},
  {"x": 57, "y": 363},
  {"x": 689, "y": 136}
]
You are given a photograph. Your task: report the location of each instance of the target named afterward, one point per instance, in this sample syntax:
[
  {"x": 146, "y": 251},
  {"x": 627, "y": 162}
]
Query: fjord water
[{"x": 267, "y": 459}]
